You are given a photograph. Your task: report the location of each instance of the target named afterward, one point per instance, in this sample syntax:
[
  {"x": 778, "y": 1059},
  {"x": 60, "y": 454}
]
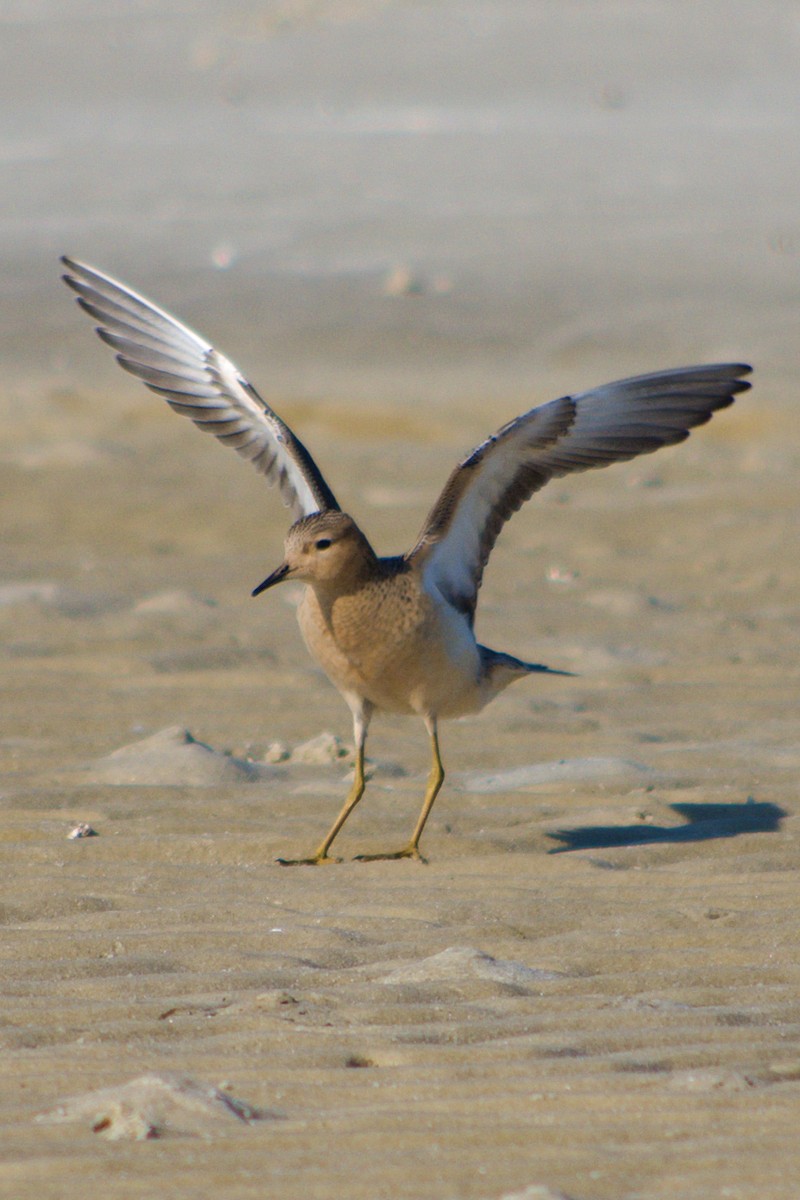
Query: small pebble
[
  {"x": 560, "y": 575},
  {"x": 322, "y": 749},
  {"x": 402, "y": 281},
  {"x": 82, "y": 831},
  {"x": 276, "y": 752}
]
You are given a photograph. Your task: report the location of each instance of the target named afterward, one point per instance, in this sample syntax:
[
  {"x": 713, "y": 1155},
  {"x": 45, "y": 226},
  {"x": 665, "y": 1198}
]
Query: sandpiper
[{"x": 396, "y": 634}]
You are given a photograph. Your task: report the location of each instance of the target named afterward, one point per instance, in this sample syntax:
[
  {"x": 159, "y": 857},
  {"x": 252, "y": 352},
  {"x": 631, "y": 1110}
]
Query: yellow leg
[
  {"x": 435, "y": 781},
  {"x": 353, "y": 797}
]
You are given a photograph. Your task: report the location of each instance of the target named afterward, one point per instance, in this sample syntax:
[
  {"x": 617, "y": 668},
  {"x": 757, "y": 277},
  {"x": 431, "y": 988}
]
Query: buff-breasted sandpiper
[{"x": 396, "y": 634}]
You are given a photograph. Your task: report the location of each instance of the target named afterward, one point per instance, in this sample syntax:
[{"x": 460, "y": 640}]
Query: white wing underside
[
  {"x": 200, "y": 383},
  {"x": 607, "y": 424},
  {"x": 576, "y": 433}
]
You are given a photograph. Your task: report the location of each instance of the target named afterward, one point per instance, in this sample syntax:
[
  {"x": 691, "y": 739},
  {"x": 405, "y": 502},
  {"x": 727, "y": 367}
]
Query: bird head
[{"x": 325, "y": 548}]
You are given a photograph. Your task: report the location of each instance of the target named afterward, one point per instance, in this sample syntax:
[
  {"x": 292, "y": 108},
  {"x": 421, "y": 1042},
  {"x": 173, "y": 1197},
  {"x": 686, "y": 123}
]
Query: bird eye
[{"x": 322, "y": 543}]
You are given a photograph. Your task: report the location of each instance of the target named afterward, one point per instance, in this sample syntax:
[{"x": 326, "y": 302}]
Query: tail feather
[
  {"x": 499, "y": 669},
  {"x": 531, "y": 668}
]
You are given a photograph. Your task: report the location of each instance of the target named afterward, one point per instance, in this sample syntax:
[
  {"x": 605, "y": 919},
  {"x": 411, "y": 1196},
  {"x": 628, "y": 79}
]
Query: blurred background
[{"x": 416, "y": 201}]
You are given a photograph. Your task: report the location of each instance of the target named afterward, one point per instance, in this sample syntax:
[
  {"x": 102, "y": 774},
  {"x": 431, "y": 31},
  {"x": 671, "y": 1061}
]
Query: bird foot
[
  {"x": 316, "y": 860},
  {"x": 406, "y": 852}
]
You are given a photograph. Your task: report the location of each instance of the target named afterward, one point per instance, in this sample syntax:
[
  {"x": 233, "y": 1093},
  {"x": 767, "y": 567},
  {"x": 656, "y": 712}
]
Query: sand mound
[
  {"x": 173, "y": 758},
  {"x": 153, "y": 1106}
]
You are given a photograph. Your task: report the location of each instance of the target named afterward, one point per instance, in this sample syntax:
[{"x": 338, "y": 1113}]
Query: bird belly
[{"x": 421, "y": 659}]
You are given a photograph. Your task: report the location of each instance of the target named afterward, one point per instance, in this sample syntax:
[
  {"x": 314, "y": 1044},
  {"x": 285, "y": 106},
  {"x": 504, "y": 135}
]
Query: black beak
[{"x": 271, "y": 580}]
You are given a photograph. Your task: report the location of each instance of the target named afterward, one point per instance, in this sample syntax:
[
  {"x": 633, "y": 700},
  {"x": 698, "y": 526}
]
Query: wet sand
[{"x": 592, "y": 985}]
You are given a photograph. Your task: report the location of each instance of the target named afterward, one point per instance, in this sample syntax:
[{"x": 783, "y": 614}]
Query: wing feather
[
  {"x": 200, "y": 383},
  {"x": 576, "y": 433}
]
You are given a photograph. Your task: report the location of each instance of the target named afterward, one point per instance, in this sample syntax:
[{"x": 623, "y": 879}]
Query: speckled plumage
[
  {"x": 408, "y": 662},
  {"x": 396, "y": 634}
]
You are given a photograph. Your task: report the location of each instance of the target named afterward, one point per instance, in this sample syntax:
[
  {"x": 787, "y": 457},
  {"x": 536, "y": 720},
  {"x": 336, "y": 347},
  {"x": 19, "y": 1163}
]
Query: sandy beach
[{"x": 407, "y": 223}]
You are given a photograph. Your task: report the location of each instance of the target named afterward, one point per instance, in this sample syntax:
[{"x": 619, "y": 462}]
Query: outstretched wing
[
  {"x": 608, "y": 424},
  {"x": 199, "y": 382}
]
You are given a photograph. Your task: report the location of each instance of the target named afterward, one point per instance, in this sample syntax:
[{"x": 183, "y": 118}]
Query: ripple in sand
[
  {"x": 711, "y": 1079},
  {"x": 536, "y": 1191},
  {"x": 459, "y": 964},
  {"x": 66, "y": 601},
  {"x": 173, "y": 758},
  {"x": 566, "y": 770},
  {"x": 27, "y": 591},
  {"x": 154, "y": 1106},
  {"x": 174, "y": 602}
]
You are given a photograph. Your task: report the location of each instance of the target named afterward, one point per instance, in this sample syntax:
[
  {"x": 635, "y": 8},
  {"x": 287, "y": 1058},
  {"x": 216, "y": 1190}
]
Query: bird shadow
[{"x": 704, "y": 822}]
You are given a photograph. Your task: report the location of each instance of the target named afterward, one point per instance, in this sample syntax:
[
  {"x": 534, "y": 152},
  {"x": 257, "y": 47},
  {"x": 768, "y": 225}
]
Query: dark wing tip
[
  {"x": 72, "y": 266},
  {"x": 173, "y": 361}
]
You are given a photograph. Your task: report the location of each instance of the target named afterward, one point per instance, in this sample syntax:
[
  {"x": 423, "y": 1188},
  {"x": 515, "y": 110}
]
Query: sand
[{"x": 407, "y": 222}]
